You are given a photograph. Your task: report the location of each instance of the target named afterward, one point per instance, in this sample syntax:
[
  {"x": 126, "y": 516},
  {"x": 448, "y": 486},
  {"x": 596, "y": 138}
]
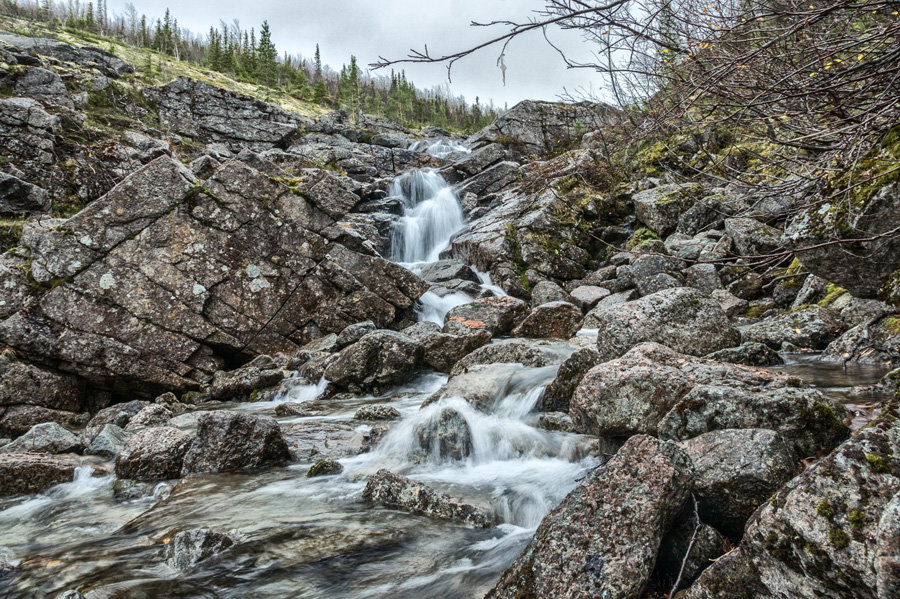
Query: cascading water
[
  {"x": 440, "y": 148},
  {"x": 431, "y": 215}
]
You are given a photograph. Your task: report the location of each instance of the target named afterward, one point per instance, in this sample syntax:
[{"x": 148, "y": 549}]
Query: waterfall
[
  {"x": 440, "y": 148},
  {"x": 431, "y": 215}
]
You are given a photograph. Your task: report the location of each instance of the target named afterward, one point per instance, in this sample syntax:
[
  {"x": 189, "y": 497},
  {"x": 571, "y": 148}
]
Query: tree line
[{"x": 251, "y": 56}]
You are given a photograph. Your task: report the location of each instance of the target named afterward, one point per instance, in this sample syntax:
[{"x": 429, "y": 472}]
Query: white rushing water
[
  {"x": 431, "y": 215},
  {"x": 440, "y": 148}
]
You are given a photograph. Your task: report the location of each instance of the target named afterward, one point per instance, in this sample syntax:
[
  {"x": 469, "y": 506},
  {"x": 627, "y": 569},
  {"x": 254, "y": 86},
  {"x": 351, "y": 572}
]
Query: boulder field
[{"x": 226, "y": 288}]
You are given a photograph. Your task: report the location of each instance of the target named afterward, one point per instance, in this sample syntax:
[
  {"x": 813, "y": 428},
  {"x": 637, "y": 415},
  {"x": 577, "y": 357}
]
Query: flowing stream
[{"x": 317, "y": 537}]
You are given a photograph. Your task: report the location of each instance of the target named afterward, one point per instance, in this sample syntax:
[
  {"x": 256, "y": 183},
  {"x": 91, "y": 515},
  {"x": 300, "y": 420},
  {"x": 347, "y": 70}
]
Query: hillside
[{"x": 254, "y": 348}]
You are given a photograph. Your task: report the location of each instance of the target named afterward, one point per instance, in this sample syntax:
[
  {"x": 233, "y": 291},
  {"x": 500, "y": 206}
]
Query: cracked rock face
[
  {"x": 212, "y": 114},
  {"x": 159, "y": 283},
  {"x": 630, "y": 504}
]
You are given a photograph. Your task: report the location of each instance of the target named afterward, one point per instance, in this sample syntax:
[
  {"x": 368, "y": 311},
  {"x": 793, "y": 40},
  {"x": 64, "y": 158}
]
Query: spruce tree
[{"x": 267, "y": 57}]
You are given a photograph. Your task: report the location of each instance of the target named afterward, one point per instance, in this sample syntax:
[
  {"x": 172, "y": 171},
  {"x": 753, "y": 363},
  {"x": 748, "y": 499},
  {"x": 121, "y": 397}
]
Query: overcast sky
[{"x": 372, "y": 28}]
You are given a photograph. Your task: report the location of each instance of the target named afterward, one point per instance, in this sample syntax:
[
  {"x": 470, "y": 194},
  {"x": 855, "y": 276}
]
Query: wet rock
[
  {"x": 242, "y": 383},
  {"x": 114, "y": 322},
  {"x": 399, "y": 492},
  {"x": 807, "y": 418},
  {"x": 443, "y": 350},
  {"x": 480, "y": 385},
  {"x": 811, "y": 327},
  {"x": 32, "y": 473},
  {"x": 149, "y": 416},
  {"x": 571, "y": 372},
  {"x": 556, "y": 421},
  {"x": 589, "y": 296},
  {"x": 819, "y": 535},
  {"x": 108, "y": 442},
  {"x": 874, "y": 343},
  {"x": 376, "y": 412},
  {"x": 748, "y": 354},
  {"x": 71, "y": 594},
  {"x": 119, "y": 414},
  {"x": 235, "y": 441},
  {"x": 312, "y": 440},
  {"x": 212, "y": 114},
  {"x": 17, "y": 420},
  {"x": 480, "y": 159},
  {"x": 660, "y": 207},
  {"x": 751, "y": 237},
  {"x": 447, "y": 436},
  {"x": 548, "y": 291},
  {"x": 681, "y": 318},
  {"x": 629, "y": 504},
  {"x": 496, "y": 315},
  {"x": 705, "y": 543},
  {"x": 887, "y": 560},
  {"x": 748, "y": 285},
  {"x": 324, "y": 468},
  {"x": 153, "y": 454},
  {"x": 191, "y": 546},
  {"x": 325, "y": 344},
  {"x": 558, "y": 320},
  {"x": 448, "y": 270},
  {"x": 377, "y": 361},
  {"x": 736, "y": 471},
  {"x": 49, "y": 438},
  {"x": 354, "y": 333},
  {"x": 531, "y": 353},
  {"x": 18, "y": 196}
]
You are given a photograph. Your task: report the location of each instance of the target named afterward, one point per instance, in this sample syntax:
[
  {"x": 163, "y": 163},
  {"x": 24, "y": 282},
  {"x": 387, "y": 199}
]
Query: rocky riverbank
[{"x": 245, "y": 352}]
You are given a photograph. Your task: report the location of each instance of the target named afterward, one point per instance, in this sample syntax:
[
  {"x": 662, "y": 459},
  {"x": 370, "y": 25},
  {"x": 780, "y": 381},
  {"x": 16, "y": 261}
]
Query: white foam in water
[
  {"x": 431, "y": 216},
  {"x": 294, "y": 394},
  {"x": 435, "y": 308},
  {"x": 440, "y": 148},
  {"x": 84, "y": 484}
]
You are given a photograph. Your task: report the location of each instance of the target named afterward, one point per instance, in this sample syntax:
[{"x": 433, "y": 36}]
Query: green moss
[
  {"x": 639, "y": 237},
  {"x": 756, "y": 311},
  {"x": 10, "y": 232},
  {"x": 892, "y": 325},
  {"x": 824, "y": 509},
  {"x": 838, "y": 538},
  {"x": 856, "y": 518},
  {"x": 832, "y": 294},
  {"x": 254, "y": 395},
  {"x": 878, "y": 463},
  {"x": 826, "y": 412}
]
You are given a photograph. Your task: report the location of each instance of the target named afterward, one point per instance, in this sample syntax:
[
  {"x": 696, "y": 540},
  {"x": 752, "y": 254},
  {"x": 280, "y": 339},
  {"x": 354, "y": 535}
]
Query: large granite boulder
[
  {"x": 875, "y": 343},
  {"x": 212, "y": 114},
  {"x": 654, "y": 390},
  {"x": 496, "y": 315},
  {"x": 375, "y": 362},
  {"x": 235, "y": 441},
  {"x": 33, "y": 472},
  {"x": 602, "y": 540},
  {"x": 153, "y": 454},
  {"x": 660, "y": 207},
  {"x": 867, "y": 269},
  {"x": 532, "y": 127},
  {"x": 682, "y": 318},
  {"x": 736, "y": 470},
  {"x": 811, "y": 327},
  {"x": 822, "y": 534},
  {"x": 89, "y": 57},
  {"x": 48, "y": 437},
  {"x": 162, "y": 282}
]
